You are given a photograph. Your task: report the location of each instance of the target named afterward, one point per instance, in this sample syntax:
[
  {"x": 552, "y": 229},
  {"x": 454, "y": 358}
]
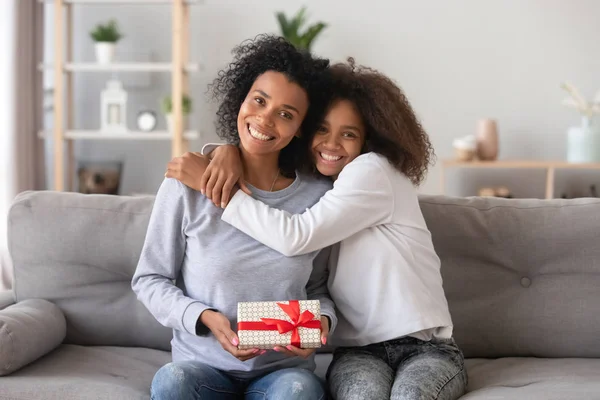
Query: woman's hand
[
  {"x": 293, "y": 351},
  {"x": 220, "y": 327},
  {"x": 188, "y": 169},
  {"x": 224, "y": 171}
]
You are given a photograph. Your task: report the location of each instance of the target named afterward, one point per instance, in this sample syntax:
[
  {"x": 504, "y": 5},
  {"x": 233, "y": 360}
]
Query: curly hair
[
  {"x": 251, "y": 59},
  {"x": 392, "y": 128}
]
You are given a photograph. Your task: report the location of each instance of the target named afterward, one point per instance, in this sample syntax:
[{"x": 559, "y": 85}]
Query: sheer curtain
[{"x": 21, "y": 152}]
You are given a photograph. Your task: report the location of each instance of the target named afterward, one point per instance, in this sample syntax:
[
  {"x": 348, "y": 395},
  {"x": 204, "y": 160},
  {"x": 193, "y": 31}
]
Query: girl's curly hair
[
  {"x": 255, "y": 57},
  {"x": 393, "y": 129}
]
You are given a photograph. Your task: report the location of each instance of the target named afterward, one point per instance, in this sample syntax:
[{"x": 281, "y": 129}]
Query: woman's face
[
  {"x": 271, "y": 114},
  {"x": 339, "y": 138}
]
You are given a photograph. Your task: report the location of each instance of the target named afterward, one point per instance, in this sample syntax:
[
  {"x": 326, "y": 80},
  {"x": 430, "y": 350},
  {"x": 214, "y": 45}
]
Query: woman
[
  {"x": 395, "y": 330},
  {"x": 269, "y": 94}
]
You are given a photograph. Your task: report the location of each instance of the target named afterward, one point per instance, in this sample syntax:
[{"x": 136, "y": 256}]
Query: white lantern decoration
[{"x": 113, "y": 107}]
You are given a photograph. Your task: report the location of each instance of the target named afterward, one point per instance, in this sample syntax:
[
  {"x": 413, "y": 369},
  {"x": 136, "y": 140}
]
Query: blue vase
[{"x": 583, "y": 142}]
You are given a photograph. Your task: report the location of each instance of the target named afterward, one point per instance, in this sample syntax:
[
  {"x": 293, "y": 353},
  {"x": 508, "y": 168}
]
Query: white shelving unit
[{"x": 63, "y": 69}]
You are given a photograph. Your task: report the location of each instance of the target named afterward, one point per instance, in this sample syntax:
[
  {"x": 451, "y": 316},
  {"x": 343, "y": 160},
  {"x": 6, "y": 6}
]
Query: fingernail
[
  {"x": 275, "y": 348},
  {"x": 263, "y": 352},
  {"x": 289, "y": 348},
  {"x": 223, "y": 205},
  {"x": 255, "y": 351},
  {"x": 324, "y": 340},
  {"x": 235, "y": 342},
  {"x": 202, "y": 191}
]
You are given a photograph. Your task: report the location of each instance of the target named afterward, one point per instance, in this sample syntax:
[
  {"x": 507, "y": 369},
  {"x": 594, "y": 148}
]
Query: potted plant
[
  {"x": 290, "y": 30},
  {"x": 167, "y": 108},
  {"x": 106, "y": 36},
  {"x": 583, "y": 142}
]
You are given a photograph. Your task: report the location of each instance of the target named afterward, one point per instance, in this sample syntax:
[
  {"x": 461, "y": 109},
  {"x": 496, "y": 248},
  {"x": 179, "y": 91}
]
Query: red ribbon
[{"x": 282, "y": 326}]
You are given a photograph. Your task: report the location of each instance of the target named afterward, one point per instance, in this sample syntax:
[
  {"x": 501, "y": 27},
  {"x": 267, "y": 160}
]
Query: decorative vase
[
  {"x": 170, "y": 123},
  {"x": 583, "y": 142},
  {"x": 105, "y": 52},
  {"x": 487, "y": 140}
]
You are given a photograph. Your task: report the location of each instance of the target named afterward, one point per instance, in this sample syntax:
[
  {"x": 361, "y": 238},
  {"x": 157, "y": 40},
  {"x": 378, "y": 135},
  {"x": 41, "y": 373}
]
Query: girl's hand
[
  {"x": 188, "y": 169},
  {"x": 224, "y": 171},
  {"x": 220, "y": 327},
  {"x": 293, "y": 351}
]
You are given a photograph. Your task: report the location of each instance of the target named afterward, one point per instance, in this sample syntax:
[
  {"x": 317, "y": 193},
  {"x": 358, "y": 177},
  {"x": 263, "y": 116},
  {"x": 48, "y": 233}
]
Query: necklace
[{"x": 274, "y": 180}]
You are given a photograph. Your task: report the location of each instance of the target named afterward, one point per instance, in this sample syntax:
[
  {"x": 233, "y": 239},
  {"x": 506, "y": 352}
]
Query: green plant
[
  {"x": 290, "y": 29},
  {"x": 108, "y": 32},
  {"x": 186, "y": 105}
]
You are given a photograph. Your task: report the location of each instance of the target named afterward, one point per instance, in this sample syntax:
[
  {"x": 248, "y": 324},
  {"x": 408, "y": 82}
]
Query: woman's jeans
[
  {"x": 405, "y": 368},
  {"x": 191, "y": 380}
]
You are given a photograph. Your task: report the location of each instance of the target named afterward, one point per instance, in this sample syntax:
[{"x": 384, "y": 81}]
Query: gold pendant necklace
[
  {"x": 272, "y": 184},
  {"x": 274, "y": 180}
]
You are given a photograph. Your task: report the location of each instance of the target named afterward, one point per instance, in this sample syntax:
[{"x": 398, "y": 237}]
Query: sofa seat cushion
[
  {"x": 533, "y": 378},
  {"x": 322, "y": 360},
  {"x": 79, "y": 372}
]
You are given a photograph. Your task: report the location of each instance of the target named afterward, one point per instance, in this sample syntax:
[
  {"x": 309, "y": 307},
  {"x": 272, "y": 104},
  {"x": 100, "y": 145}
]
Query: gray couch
[{"x": 522, "y": 278}]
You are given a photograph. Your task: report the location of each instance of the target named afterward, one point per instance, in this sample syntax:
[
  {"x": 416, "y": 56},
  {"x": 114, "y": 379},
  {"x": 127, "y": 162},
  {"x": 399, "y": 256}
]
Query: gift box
[{"x": 266, "y": 324}]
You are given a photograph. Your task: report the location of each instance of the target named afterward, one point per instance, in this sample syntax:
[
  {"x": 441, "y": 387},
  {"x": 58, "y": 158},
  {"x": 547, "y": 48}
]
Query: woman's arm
[
  {"x": 160, "y": 263},
  {"x": 361, "y": 197}
]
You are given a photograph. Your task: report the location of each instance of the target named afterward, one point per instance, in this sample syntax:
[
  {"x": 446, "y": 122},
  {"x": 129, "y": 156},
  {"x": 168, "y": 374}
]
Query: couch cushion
[
  {"x": 521, "y": 276},
  {"x": 80, "y": 252},
  {"x": 533, "y": 379},
  {"x": 77, "y": 372}
]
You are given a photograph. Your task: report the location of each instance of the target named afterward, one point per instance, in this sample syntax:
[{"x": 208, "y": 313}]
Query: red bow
[{"x": 292, "y": 309}]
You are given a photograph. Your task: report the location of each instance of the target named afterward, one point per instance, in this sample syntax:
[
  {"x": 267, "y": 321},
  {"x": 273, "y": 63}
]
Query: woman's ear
[{"x": 298, "y": 133}]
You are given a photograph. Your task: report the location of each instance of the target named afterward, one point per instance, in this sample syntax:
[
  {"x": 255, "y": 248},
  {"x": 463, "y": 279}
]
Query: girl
[
  {"x": 269, "y": 93},
  {"x": 395, "y": 330}
]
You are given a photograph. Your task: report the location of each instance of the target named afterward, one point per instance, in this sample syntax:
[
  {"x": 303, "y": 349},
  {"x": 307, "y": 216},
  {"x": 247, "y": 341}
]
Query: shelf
[
  {"x": 62, "y": 69},
  {"x": 130, "y": 135},
  {"x": 131, "y": 2},
  {"x": 520, "y": 164},
  {"x": 549, "y": 166},
  {"x": 124, "y": 67}
]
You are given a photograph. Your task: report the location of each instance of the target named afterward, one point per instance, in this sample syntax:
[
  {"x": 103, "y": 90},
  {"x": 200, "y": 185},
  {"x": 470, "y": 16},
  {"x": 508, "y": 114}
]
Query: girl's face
[
  {"x": 271, "y": 114},
  {"x": 339, "y": 139}
]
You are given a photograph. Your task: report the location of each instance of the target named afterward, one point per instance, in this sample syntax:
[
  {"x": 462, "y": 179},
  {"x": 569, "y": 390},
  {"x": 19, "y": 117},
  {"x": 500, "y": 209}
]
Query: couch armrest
[
  {"x": 7, "y": 298},
  {"x": 29, "y": 329}
]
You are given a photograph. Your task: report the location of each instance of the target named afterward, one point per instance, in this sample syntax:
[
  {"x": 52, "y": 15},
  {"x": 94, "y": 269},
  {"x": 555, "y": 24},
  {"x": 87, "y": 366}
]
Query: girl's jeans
[{"x": 406, "y": 368}]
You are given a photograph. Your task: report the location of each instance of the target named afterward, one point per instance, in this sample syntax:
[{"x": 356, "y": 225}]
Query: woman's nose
[{"x": 266, "y": 118}]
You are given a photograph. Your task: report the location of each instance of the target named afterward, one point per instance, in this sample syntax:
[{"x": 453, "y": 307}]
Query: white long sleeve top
[{"x": 386, "y": 283}]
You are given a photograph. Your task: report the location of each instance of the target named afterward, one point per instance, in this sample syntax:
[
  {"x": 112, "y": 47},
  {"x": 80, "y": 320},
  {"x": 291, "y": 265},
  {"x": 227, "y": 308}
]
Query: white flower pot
[
  {"x": 170, "y": 123},
  {"x": 105, "y": 52}
]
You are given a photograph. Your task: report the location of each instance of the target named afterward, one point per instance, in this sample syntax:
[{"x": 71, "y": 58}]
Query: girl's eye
[
  {"x": 286, "y": 115},
  {"x": 259, "y": 100},
  {"x": 351, "y": 135},
  {"x": 322, "y": 130}
]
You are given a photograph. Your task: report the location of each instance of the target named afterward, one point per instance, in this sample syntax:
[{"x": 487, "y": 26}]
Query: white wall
[{"x": 457, "y": 61}]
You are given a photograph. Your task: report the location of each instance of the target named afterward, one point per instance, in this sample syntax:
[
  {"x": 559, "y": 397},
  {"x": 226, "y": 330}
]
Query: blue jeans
[
  {"x": 188, "y": 380},
  {"x": 400, "y": 369}
]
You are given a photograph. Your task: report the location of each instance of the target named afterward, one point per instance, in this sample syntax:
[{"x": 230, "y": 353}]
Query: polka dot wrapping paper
[{"x": 266, "y": 324}]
